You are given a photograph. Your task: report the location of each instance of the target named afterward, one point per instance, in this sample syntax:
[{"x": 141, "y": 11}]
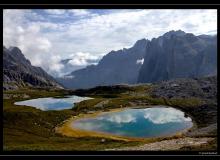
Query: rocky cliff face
[
  {"x": 18, "y": 72},
  {"x": 177, "y": 54},
  {"x": 115, "y": 68}
]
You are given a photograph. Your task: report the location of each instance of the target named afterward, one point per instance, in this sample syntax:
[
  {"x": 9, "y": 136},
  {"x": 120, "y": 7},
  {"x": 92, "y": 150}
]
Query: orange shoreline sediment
[{"x": 67, "y": 129}]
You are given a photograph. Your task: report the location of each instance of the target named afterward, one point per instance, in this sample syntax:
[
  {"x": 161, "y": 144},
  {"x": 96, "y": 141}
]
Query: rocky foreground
[{"x": 167, "y": 145}]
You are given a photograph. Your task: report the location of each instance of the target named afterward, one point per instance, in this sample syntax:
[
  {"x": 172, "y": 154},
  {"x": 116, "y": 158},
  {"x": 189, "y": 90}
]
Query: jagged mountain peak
[
  {"x": 174, "y": 33},
  {"x": 141, "y": 42},
  {"x": 179, "y": 55}
]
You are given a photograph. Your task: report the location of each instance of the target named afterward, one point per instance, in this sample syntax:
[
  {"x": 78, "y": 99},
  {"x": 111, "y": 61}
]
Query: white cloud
[
  {"x": 55, "y": 11},
  {"x": 29, "y": 38},
  {"x": 164, "y": 115},
  {"x": 118, "y": 118},
  {"x": 81, "y": 59},
  {"x": 93, "y": 34},
  {"x": 155, "y": 115},
  {"x": 54, "y": 63},
  {"x": 79, "y": 12}
]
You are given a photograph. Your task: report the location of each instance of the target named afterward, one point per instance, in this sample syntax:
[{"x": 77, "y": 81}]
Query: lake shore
[{"x": 67, "y": 128}]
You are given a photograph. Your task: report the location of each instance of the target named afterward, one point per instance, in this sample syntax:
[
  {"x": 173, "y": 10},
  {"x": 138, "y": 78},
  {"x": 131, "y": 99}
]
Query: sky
[{"x": 47, "y": 36}]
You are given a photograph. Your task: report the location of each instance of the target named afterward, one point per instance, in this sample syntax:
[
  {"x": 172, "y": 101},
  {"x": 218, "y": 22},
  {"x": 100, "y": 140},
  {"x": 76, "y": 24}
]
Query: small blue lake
[
  {"x": 51, "y": 103},
  {"x": 150, "y": 122}
]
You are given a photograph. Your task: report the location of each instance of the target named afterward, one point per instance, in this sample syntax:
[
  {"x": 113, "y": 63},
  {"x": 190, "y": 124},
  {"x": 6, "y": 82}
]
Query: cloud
[
  {"x": 76, "y": 61},
  {"x": 82, "y": 59},
  {"x": 118, "y": 118},
  {"x": 164, "y": 115},
  {"x": 79, "y": 12},
  {"x": 189, "y": 25},
  {"x": 55, "y": 11},
  {"x": 29, "y": 38},
  {"x": 45, "y": 34},
  {"x": 155, "y": 115}
]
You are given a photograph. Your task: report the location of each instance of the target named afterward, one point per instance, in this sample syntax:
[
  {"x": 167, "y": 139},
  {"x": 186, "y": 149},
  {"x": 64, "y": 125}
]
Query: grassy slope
[{"x": 26, "y": 128}]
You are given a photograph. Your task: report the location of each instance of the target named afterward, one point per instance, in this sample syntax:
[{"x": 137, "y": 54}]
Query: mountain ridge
[
  {"x": 107, "y": 71},
  {"x": 18, "y": 72},
  {"x": 180, "y": 56},
  {"x": 156, "y": 63}
]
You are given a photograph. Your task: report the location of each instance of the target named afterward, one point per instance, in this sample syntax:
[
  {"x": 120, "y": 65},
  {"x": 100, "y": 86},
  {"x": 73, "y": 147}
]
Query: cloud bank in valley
[{"x": 48, "y": 36}]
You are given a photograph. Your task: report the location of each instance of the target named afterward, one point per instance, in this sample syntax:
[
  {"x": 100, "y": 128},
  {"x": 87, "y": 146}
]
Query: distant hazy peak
[{"x": 65, "y": 61}]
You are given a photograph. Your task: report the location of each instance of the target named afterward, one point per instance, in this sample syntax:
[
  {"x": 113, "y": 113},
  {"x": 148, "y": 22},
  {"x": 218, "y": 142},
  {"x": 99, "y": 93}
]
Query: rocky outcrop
[
  {"x": 204, "y": 88},
  {"x": 167, "y": 145},
  {"x": 18, "y": 72}
]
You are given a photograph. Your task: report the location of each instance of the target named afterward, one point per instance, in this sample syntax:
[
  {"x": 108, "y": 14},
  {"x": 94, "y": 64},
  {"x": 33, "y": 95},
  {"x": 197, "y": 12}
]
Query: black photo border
[{"x": 111, "y": 153}]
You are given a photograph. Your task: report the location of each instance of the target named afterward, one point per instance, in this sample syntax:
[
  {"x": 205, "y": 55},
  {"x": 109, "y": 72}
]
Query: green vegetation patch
[
  {"x": 87, "y": 104},
  {"x": 185, "y": 102}
]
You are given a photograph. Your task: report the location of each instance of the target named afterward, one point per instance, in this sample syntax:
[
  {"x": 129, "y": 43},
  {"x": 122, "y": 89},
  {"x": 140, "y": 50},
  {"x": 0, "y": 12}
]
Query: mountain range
[
  {"x": 114, "y": 68},
  {"x": 175, "y": 54}
]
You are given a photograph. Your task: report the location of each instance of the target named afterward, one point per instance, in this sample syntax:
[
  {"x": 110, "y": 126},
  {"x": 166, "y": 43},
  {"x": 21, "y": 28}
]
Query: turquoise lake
[
  {"x": 51, "y": 103},
  {"x": 143, "y": 123}
]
